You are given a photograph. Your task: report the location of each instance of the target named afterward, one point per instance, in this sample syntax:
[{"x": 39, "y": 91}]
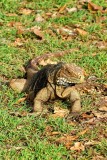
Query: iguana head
[{"x": 69, "y": 74}]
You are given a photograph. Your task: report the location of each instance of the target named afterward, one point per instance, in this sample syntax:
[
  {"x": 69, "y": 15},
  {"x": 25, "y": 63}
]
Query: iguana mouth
[{"x": 64, "y": 82}]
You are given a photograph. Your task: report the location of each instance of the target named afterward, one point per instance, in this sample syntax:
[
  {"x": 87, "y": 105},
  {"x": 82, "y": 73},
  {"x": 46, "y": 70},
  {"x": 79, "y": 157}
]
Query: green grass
[{"x": 23, "y": 137}]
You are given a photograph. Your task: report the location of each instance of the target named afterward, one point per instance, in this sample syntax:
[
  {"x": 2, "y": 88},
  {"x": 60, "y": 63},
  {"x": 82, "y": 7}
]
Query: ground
[{"x": 32, "y": 28}]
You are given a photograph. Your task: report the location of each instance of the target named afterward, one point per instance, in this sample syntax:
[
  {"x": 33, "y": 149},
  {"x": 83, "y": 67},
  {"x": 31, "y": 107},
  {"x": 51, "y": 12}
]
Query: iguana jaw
[{"x": 65, "y": 82}]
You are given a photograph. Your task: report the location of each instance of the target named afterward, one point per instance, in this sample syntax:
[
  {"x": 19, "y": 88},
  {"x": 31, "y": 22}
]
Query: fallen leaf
[
  {"x": 94, "y": 7},
  {"x": 66, "y": 31},
  {"x": 102, "y": 104},
  {"x": 100, "y": 114},
  {"x": 25, "y": 11},
  {"x": 1, "y": 23},
  {"x": 105, "y": 85},
  {"x": 83, "y": 132},
  {"x": 18, "y": 42},
  {"x": 39, "y": 18},
  {"x": 61, "y": 9},
  {"x": 20, "y": 127},
  {"x": 59, "y": 112},
  {"x": 54, "y": 133},
  {"x": 16, "y": 148},
  {"x": 72, "y": 123},
  {"x": 21, "y": 100},
  {"x": 14, "y": 24},
  {"x": 48, "y": 14},
  {"x": 48, "y": 130},
  {"x": 104, "y": 108},
  {"x": 54, "y": 15},
  {"x": 66, "y": 140},
  {"x": 87, "y": 115},
  {"x": 70, "y": 10},
  {"x": 17, "y": 114},
  {"x": 91, "y": 143},
  {"x": 81, "y": 32},
  {"x": 20, "y": 30},
  {"x": 78, "y": 146},
  {"x": 99, "y": 157},
  {"x": 101, "y": 45},
  {"x": 11, "y": 14},
  {"x": 38, "y": 33},
  {"x": 100, "y": 19},
  {"x": 91, "y": 121}
]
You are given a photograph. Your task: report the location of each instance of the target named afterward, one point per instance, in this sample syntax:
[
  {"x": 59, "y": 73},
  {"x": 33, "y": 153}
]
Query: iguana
[{"x": 53, "y": 81}]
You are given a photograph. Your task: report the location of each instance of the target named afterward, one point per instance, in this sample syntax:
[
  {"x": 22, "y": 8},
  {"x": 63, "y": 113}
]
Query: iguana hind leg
[{"x": 41, "y": 97}]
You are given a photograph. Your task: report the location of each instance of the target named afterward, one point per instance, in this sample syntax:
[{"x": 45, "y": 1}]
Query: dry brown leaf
[
  {"x": 48, "y": 130},
  {"x": 54, "y": 133},
  {"x": 70, "y": 10},
  {"x": 11, "y": 14},
  {"x": 25, "y": 11},
  {"x": 18, "y": 26},
  {"x": 61, "y": 9},
  {"x": 18, "y": 114},
  {"x": 14, "y": 24},
  {"x": 20, "y": 127},
  {"x": 59, "y": 112},
  {"x": 48, "y": 14},
  {"x": 100, "y": 114},
  {"x": 66, "y": 139},
  {"x": 39, "y": 18},
  {"x": 21, "y": 100},
  {"x": 78, "y": 146},
  {"x": 81, "y": 32},
  {"x": 101, "y": 45},
  {"x": 99, "y": 157},
  {"x": 91, "y": 143},
  {"x": 94, "y": 7},
  {"x": 83, "y": 132},
  {"x": 38, "y": 33},
  {"x": 20, "y": 30},
  {"x": 72, "y": 123},
  {"x": 1, "y": 23},
  {"x": 105, "y": 85},
  {"x": 104, "y": 108},
  {"x": 100, "y": 19},
  {"x": 18, "y": 42},
  {"x": 14, "y": 147},
  {"x": 87, "y": 115},
  {"x": 102, "y": 104},
  {"x": 67, "y": 31}
]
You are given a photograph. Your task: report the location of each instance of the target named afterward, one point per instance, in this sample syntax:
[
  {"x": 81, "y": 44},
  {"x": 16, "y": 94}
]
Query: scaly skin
[{"x": 52, "y": 82}]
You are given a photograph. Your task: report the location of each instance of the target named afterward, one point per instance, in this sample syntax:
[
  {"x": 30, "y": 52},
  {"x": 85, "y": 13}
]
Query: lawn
[{"x": 32, "y": 28}]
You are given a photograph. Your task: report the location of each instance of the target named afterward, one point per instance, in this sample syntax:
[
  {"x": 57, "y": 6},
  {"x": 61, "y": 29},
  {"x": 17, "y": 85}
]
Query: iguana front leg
[
  {"x": 42, "y": 96},
  {"x": 74, "y": 98}
]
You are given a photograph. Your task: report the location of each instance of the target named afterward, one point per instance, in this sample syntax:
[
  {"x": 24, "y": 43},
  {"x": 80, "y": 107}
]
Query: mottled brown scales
[{"x": 52, "y": 82}]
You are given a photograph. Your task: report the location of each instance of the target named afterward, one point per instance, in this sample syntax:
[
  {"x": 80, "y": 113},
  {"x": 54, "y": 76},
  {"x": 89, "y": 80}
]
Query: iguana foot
[
  {"x": 44, "y": 113},
  {"x": 74, "y": 116}
]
